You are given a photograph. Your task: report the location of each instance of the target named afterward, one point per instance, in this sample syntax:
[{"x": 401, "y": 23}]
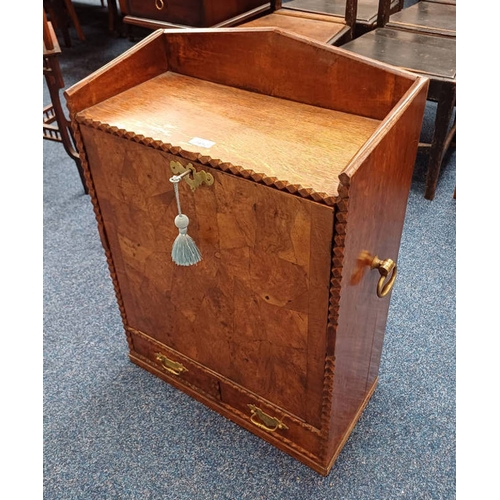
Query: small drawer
[
  {"x": 271, "y": 421},
  {"x": 172, "y": 365},
  {"x": 185, "y": 12}
]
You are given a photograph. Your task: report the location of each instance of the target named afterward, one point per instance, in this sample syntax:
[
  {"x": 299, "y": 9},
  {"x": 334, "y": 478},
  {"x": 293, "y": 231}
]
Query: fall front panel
[{"x": 255, "y": 308}]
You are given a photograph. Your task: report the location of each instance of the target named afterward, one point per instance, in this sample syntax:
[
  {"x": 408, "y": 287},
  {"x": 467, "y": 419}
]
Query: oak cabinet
[{"x": 309, "y": 151}]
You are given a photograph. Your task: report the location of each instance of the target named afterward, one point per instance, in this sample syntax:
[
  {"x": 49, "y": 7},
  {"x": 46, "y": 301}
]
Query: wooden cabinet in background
[
  {"x": 310, "y": 151},
  {"x": 189, "y": 13}
]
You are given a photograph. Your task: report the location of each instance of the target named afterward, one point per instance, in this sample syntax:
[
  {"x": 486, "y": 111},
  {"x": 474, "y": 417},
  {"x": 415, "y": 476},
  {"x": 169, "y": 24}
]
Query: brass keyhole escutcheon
[
  {"x": 159, "y": 4},
  {"x": 194, "y": 179}
]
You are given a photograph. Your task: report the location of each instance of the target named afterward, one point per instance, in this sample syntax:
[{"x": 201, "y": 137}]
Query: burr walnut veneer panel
[{"x": 252, "y": 309}]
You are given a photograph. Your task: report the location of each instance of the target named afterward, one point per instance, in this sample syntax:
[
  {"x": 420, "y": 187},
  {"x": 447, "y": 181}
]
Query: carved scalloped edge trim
[
  {"x": 97, "y": 211},
  {"x": 224, "y": 380},
  {"x": 326, "y": 407},
  {"x": 295, "y": 189},
  {"x": 339, "y": 232}
]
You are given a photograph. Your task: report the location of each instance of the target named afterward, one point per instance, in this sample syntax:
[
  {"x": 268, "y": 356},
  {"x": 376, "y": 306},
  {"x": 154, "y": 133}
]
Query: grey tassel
[{"x": 184, "y": 250}]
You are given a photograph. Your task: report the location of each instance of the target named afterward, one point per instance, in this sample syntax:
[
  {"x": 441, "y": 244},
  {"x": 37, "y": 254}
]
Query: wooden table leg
[
  {"x": 445, "y": 106},
  {"x": 74, "y": 19},
  {"x": 112, "y": 16}
]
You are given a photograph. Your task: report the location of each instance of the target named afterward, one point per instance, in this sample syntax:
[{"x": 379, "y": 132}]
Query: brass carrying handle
[
  {"x": 170, "y": 366},
  {"x": 269, "y": 424},
  {"x": 385, "y": 267}
]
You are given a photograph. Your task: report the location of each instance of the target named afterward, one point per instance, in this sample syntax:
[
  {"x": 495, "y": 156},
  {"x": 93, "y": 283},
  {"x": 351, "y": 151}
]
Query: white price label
[{"x": 203, "y": 143}]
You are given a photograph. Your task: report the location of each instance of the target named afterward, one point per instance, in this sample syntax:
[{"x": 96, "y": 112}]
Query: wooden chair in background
[
  {"x": 367, "y": 12},
  {"x": 426, "y": 16},
  {"x": 114, "y": 20},
  {"x": 62, "y": 14},
  {"x": 56, "y": 127},
  {"x": 321, "y": 27},
  {"x": 429, "y": 50}
]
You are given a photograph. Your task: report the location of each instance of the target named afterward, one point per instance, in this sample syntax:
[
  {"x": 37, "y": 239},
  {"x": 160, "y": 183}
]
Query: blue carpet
[{"x": 113, "y": 431}]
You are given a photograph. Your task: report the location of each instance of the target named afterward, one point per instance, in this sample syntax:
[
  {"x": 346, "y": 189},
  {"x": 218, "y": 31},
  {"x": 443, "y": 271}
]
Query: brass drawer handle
[
  {"x": 169, "y": 365},
  {"x": 159, "y": 4},
  {"x": 385, "y": 267},
  {"x": 270, "y": 424}
]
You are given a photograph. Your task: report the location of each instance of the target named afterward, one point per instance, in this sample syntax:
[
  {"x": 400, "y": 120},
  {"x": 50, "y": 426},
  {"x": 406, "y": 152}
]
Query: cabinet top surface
[{"x": 294, "y": 142}]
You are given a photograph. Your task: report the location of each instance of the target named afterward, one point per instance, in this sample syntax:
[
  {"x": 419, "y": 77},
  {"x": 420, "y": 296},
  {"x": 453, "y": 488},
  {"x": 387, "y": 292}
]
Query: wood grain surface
[
  {"x": 193, "y": 13},
  {"x": 318, "y": 28},
  {"x": 261, "y": 60},
  {"x": 428, "y": 17},
  {"x": 253, "y": 308},
  {"x": 269, "y": 317},
  {"x": 376, "y": 195},
  {"x": 367, "y": 9},
  {"x": 288, "y": 66},
  {"x": 291, "y": 141},
  {"x": 432, "y": 56}
]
